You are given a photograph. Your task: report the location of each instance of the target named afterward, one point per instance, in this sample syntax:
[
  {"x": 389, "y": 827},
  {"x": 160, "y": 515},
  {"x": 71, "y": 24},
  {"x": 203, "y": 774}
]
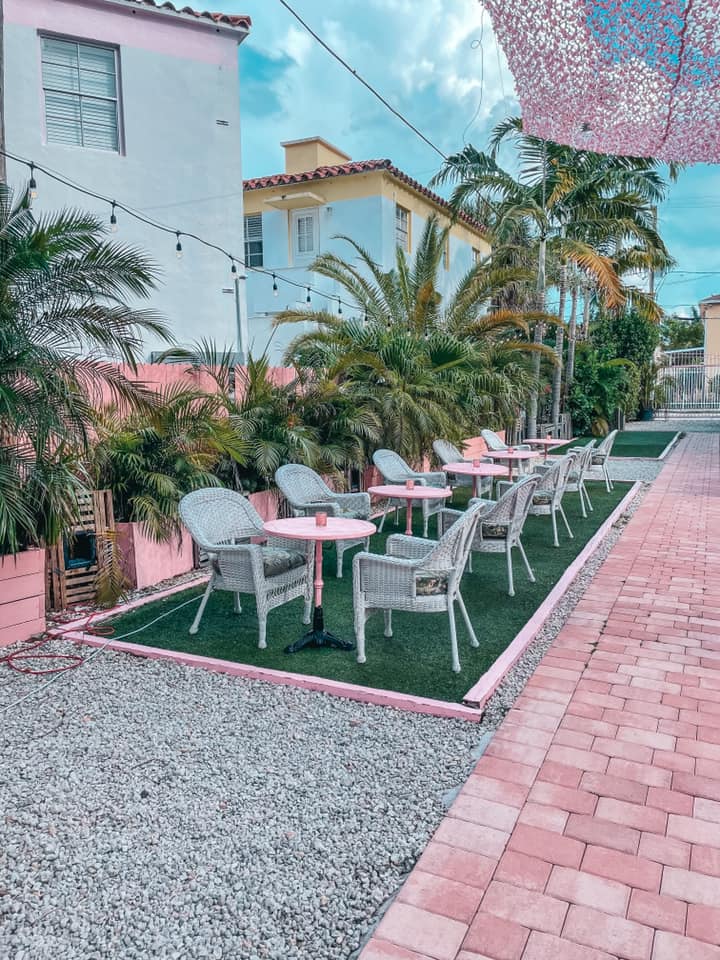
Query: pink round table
[
  {"x": 398, "y": 491},
  {"x": 466, "y": 468},
  {"x": 305, "y": 528},
  {"x": 548, "y": 443},
  {"x": 513, "y": 456}
]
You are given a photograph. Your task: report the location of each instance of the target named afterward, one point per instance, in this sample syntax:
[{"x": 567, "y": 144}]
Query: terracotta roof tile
[
  {"x": 239, "y": 21},
  {"x": 348, "y": 169}
]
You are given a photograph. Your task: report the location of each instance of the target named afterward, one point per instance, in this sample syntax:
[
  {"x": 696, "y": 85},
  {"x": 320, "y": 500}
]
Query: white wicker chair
[
  {"x": 601, "y": 455},
  {"x": 493, "y": 442},
  {"x": 395, "y": 470},
  {"x": 547, "y": 499},
  {"x": 222, "y": 522},
  {"x": 307, "y": 494},
  {"x": 416, "y": 575},
  {"x": 447, "y": 452},
  {"x": 501, "y": 525},
  {"x": 576, "y": 480}
]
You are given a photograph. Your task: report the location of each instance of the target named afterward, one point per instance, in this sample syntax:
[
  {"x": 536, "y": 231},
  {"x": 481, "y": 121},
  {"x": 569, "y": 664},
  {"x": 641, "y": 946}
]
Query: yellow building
[
  {"x": 710, "y": 314},
  {"x": 293, "y": 216}
]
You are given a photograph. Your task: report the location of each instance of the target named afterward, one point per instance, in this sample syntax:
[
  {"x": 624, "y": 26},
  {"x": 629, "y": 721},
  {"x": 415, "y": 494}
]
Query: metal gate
[{"x": 693, "y": 388}]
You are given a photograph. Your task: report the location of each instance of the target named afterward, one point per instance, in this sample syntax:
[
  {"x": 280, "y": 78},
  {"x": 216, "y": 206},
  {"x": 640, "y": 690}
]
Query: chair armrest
[
  {"x": 285, "y": 543},
  {"x": 386, "y": 576},
  {"x": 446, "y": 518},
  {"x": 358, "y": 503},
  {"x": 525, "y": 446},
  {"x": 432, "y": 478},
  {"x": 542, "y": 468},
  {"x": 502, "y": 487},
  {"x": 411, "y": 548},
  {"x": 320, "y": 506},
  {"x": 487, "y": 503}
]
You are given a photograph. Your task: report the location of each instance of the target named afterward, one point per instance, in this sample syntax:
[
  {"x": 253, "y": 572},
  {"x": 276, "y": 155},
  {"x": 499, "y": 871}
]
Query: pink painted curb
[{"x": 479, "y": 694}]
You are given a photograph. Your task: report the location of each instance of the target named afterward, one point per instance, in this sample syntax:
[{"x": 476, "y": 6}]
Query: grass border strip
[
  {"x": 478, "y": 695},
  {"x": 473, "y": 701}
]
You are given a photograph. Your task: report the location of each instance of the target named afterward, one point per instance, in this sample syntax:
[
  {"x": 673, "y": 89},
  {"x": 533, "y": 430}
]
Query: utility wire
[
  {"x": 363, "y": 81},
  {"x": 114, "y": 205}
]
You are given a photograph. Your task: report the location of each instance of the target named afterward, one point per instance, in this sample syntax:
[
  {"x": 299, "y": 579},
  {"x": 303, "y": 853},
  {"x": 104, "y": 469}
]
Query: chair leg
[
  {"x": 307, "y": 611},
  {"x": 339, "y": 550},
  {"x": 262, "y": 638},
  {"x": 521, "y": 548},
  {"x": 583, "y": 511},
  {"x": 388, "y": 623},
  {"x": 511, "y": 585},
  {"x": 203, "y": 604},
  {"x": 565, "y": 520},
  {"x": 237, "y": 604},
  {"x": 608, "y": 481},
  {"x": 453, "y": 639},
  {"x": 360, "y": 633},
  {"x": 469, "y": 565},
  {"x": 385, "y": 511},
  {"x": 463, "y": 609},
  {"x": 587, "y": 498},
  {"x": 556, "y": 542},
  {"x": 426, "y": 521}
]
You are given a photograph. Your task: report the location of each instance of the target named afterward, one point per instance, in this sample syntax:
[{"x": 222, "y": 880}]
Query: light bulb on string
[
  {"x": 339, "y": 307},
  {"x": 178, "y": 247},
  {"x": 233, "y": 269},
  {"x": 32, "y": 186},
  {"x": 307, "y": 298},
  {"x": 275, "y": 286},
  {"x": 113, "y": 220}
]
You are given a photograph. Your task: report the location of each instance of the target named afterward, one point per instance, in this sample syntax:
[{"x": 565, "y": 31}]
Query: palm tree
[
  {"x": 64, "y": 316},
  {"x": 589, "y": 213},
  {"x": 428, "y": 367}
]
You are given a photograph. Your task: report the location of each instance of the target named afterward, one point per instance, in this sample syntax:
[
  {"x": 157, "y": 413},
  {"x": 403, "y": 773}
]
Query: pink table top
[
  {"x": 482, "y": 470},
  {"x": 510, "y": 454},
  {"x": 305, "y": 528},
  {"x": 400, "y": 492},
  {"x": 548, "y": 442}
]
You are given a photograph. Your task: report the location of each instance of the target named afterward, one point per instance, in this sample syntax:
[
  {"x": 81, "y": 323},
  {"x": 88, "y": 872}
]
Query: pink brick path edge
[
  {"x": 476, "y": 697},
  {"x": 590, "y": 828}
]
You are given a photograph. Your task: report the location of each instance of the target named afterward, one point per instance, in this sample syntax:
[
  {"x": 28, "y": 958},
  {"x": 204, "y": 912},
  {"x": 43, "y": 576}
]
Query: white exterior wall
[{"x": 177, "y": 166}]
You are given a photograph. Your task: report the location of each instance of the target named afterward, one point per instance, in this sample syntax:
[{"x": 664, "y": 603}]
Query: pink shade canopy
[
  {"x": 633, "y": 77},
  {"x": 400, "y": 492},
  {"x": 305, "y": 528}
]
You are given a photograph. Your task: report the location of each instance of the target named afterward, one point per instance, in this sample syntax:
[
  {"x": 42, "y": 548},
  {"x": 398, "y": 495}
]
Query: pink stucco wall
[
  {"x": 145, "y": 562},
  {"x": 125, "y": 25}
]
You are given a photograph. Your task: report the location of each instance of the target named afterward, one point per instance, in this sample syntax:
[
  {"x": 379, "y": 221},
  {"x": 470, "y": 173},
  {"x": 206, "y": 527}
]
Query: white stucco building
[{"x": 140, "y": 102}]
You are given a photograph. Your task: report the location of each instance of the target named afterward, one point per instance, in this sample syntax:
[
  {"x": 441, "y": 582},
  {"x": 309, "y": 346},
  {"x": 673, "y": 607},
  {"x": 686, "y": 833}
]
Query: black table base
[{"x": 319, "y": 637}]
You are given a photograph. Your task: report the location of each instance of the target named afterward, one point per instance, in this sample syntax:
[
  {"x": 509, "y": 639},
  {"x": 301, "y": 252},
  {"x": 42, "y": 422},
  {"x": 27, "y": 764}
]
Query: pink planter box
[
  {"x": 22, "y": 596},
  {"x": 145, "y": 562}
]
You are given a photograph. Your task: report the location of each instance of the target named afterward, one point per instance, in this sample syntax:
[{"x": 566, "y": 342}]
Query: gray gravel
[{"x": 155, "y": 810}]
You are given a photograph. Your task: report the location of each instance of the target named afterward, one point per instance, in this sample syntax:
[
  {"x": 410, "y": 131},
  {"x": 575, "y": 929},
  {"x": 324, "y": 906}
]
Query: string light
[
  {"x": 307, "y": 298},
  {"x": 233, "y": 269},
  {"x": 339, "y": 307},
  {"x": 33, "y": 184},
  {"x": 141, "y": 218}
]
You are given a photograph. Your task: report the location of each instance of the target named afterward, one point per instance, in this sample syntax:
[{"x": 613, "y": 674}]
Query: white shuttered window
[{"x": 81, "y": 94}]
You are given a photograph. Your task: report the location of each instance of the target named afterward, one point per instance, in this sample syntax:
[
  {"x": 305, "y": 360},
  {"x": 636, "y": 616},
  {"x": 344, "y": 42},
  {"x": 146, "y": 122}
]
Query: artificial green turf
[
  {"x": 632, "y": 443},
  {"x": 417, "y": 659}
]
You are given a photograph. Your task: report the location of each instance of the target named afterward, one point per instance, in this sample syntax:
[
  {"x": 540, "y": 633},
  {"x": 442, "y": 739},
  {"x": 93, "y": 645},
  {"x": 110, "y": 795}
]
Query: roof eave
[{"x": 237, "y": 31}]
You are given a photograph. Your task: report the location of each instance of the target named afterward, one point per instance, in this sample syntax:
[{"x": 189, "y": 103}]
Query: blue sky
[{"x": 427, "y": 58}]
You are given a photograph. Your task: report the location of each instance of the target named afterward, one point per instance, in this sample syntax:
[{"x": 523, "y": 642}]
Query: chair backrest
[
  {"x": 605, "y": 446},
  {"x": 513, "y": 506},
  {"x": 392, "y": 466},
  {"x": 555, "y": 479},
  {"x": 583, "y": 459},
  {"x": 452, "y": 550},
  {"x": 492, "y": 440},
  {"x": 216, "y": 516},
  {"x": 299, "y": 484},
  {"x": 447, "y": 452}
]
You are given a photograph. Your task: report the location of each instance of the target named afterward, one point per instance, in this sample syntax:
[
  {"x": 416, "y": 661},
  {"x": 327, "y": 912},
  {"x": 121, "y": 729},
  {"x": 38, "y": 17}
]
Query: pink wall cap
[{"x": 235, "y": 21}]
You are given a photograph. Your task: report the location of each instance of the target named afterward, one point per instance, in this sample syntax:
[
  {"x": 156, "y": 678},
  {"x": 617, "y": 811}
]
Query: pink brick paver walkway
[{"x": 590, "y": 829}]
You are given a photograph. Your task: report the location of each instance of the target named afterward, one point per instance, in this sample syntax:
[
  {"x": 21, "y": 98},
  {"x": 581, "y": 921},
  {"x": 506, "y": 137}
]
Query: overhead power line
[
  {"x": 116, "y": 205},
  {"x": 363, "y": 81}
]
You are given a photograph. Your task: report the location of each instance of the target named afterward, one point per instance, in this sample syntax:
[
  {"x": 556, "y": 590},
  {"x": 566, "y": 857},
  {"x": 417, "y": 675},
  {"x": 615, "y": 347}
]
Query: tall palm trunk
[
  {"x": 573, "y": 335},
  {"x": 532, "y": 410},
  {"x": 559, "y": 341}
]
